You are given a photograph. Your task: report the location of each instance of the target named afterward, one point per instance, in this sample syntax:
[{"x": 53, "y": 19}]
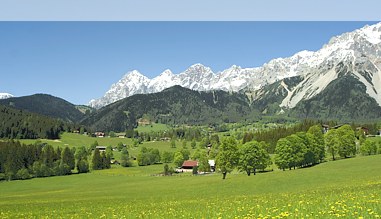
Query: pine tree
[{"x": 97, "y": 162}]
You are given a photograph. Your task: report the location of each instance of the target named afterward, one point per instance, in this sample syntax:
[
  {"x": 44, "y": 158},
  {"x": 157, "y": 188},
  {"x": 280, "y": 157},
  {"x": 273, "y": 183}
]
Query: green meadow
[
  {"x": 348, "y": 188},
  {"x": 154, "y": 127},
  {"x": 77, "y": 140}
]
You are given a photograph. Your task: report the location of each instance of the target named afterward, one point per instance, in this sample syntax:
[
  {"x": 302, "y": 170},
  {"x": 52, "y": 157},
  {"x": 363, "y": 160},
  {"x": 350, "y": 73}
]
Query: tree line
[
  {"x": 20, "y": 161},
  {"x": 298, "y": 150}
]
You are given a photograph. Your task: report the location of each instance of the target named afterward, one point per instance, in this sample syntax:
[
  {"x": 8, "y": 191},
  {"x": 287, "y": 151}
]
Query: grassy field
[
  {"x": 349, "y": 188},
  {"x": 154, "y": 127},
  {"x": 76, "y": 140}
]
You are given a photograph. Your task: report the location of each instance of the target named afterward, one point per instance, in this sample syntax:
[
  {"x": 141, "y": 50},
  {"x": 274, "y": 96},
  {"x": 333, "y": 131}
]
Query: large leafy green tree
[
  {"x": 332, "y": 142},
  {"x": 316, "y": 143},
  {"x": 166, "y": 157},
  {"x": 290, "y": 152},
  {"x": 228, "y": 156},
  {"x": 178, "y": 159},
  {"x": 347, "y": 146},
  {"x": 368, "y": 147},
  {"x": 252, "y": 156},
  {"x": 283, "y": 157}
]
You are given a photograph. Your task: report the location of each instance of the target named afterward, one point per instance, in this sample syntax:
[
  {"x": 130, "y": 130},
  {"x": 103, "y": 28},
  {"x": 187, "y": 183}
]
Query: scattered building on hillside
[
  {"x": 99, "y": 134},
  {"x": 189, "y": 164},
  {"x": 363, "y": 129},
  {"x": 212, "y": 165},
  {"x": 101, "y": 148},
  {"x": 121, "y": 135},
  {"x": 325, "y": 128}
]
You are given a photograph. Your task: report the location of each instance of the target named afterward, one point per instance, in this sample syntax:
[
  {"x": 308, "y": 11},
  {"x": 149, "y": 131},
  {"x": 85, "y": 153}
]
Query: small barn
[{"x": 189, "y": 164}]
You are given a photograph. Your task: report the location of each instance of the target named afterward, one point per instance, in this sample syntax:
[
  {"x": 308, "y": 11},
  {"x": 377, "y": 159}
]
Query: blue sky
[
  {"x": 194, "y": 10},
  {"x": 79, "y": 61}
]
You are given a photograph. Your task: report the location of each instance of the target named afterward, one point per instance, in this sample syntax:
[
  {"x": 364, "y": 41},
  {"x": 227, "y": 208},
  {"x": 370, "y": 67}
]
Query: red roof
[{"x": 189, "y": 164}]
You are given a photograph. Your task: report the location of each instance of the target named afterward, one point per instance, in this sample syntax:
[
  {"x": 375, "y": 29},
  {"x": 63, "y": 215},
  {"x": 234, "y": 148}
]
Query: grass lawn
[{"x": 349, "y": 188}]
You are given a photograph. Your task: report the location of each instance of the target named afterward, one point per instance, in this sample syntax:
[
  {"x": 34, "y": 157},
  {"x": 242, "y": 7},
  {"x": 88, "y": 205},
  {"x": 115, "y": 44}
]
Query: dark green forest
[
  {"x": 175, "y": 105},
  {"x": 19, "y": 124}
]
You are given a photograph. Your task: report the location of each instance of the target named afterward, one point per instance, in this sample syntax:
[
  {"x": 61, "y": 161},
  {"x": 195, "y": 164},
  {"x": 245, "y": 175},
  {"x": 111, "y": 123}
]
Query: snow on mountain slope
[
  {"x": 5, "y": 95},
  {"x": 131, "y": 83},
  {"x": 356, "y": 52}
]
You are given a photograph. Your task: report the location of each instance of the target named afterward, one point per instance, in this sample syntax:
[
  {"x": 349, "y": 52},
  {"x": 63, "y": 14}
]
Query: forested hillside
[
  {"x": 20, "y": 124},
  {"x": 175, "y": 105},
  {"x": 47, "y": 105}
]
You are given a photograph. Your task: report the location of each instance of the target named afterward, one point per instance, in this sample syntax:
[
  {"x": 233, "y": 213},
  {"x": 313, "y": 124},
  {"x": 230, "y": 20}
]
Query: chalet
[
  {"x": 189, "y": 164},
  {"x": 101, "y": 148},
  {"x": 325, "y": 128},
  {"x": 99, "y": 134}
]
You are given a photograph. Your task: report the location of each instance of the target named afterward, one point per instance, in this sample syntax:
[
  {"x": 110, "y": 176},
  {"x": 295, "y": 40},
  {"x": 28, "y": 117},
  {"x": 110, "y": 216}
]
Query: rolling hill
[{"x": 47, "y": 105}]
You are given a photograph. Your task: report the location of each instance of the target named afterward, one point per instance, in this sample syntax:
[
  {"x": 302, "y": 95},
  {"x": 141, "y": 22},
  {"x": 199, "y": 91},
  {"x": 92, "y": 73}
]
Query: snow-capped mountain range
[
  {"x": 5, "y": 96},
  {"x": 357, "y": 52}
]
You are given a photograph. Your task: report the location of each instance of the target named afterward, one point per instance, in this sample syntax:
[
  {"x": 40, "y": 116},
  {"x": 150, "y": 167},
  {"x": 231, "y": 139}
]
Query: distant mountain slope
[
  {"x": 268, "y": 98},
  {"x": 5, "y": 96},
  {"x": 47, "y": 105},
  {"x": 360, "y": 48},
  {"x": 344, "y": 99},
  {"x": 175, "y": 105}
]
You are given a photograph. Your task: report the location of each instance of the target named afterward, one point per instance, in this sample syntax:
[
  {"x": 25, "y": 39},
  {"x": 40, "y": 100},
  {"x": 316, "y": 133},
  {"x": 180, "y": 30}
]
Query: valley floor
[{"x": 349, "y": 188}]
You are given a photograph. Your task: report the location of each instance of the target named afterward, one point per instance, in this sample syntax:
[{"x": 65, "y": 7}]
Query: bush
[
  {"x": 62, "y": 169},
  {"x": 41, "y": 170},
  {"x": 195, "y": 170},
  {"x": 83, "y": 166},
  {"x": 23, "y": 174}
]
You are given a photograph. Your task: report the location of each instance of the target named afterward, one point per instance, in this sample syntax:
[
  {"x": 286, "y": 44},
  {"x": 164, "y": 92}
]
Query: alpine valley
[{"x": 341, "y": 80}]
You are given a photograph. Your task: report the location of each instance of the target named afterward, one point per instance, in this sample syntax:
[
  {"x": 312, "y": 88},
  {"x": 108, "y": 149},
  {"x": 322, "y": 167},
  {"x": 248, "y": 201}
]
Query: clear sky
[{"x": 79, "y": 61}]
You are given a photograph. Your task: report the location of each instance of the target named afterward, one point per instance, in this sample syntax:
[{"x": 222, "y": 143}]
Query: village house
[
  {"x": 99, "y": 134},
  {"x": 363, "y": 129},
  {"x": 325, "y": 128},
  {"x": 189, "y": 164}
]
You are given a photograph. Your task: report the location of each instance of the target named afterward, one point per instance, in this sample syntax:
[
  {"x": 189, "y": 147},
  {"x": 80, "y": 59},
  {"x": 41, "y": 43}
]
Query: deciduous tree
[{"x": 228, "y": 156}]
